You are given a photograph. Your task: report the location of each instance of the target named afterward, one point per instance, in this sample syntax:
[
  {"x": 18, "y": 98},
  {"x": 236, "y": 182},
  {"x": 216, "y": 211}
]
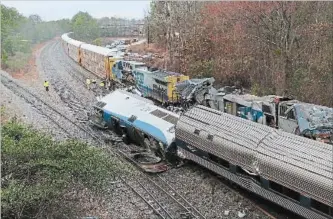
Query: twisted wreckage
[
  {"x": 308, "y": 120},
  {"x": 289, "y": 170}
]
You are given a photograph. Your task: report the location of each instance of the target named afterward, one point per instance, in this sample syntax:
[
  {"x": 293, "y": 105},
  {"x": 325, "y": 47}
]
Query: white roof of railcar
[
  {"x": 309, "y": 161},
  {"x": 76, "y": 43},
  {"x": 124, "y": 105},
  {"x": 100, "y": 50},
  {"x": 65, "y": 37},
  {"x": 245, "y": 99},
  {"x": 71, "y": 41},
  {"x": 108, "y": 97}
]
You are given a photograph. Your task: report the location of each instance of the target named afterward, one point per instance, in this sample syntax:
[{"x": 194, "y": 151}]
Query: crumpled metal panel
[
  {"x": 311, "y": 117},
  {"x": 189, "y": 87},
  {"x": 295, "y": 162}
]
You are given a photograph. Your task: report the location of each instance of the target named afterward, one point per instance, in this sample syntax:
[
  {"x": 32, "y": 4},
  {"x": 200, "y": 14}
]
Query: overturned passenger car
[{"x": 137, "y": 120}]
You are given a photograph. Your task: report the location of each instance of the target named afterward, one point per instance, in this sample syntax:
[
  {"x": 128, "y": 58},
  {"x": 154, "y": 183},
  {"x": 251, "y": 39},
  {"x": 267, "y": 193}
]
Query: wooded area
[
  {"x": 283, "y": 48},
  {"x": 20, "y": 33}
]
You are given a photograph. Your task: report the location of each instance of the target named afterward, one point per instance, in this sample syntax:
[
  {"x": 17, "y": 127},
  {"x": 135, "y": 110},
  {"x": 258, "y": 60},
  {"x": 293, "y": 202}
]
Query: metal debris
[{"x": 241, "y": 214}]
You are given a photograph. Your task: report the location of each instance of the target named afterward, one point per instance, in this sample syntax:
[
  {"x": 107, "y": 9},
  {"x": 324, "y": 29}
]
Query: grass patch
[{"x": 41, "y": 177}]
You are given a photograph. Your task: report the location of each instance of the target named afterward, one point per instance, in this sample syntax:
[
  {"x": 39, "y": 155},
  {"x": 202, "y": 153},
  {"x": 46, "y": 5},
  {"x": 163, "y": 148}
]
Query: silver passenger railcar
[{"x": 289, "y": 170}]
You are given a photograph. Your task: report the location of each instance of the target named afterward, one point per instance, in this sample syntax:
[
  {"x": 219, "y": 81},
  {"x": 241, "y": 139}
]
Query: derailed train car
[
  {"x": 138, "y": 119},
  {"x": 72, "y": 47},
  {"x": 289, "y": 170},
  {"x": 159, "y": 85},
  {"x": 98, "y": 60}
]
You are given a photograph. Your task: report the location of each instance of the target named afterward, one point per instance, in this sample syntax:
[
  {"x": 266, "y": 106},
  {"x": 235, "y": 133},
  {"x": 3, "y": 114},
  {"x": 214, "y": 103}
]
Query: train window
[
  {"x": 284, "y": 190},
  {"x": 219, "y": 160},
  {"x": 321, "y": 207},
  {"x": 276, "y": 187},
  {"x": 270, "y": 120},
  {"x": 290, "y": 114},
  {"x": 210, "y": 137},
  {"x": 291, "y": 193},
  {"x": 228, "y": 107},
  {"x": 132, "y": 118},
  {"x": 266, "y": 109},
  {"x": 240, "y": 110},
  {"x": 197, "y": 131},
  {"x": 283, "y": 109},
  {"x": 161, "y": 82}
]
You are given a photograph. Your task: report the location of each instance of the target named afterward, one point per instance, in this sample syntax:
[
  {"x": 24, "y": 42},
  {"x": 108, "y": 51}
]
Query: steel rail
[
  {"x": 7, "y": 81},
  {"x": 143, "y": 198},
  {"x": 189, "y": 204}
]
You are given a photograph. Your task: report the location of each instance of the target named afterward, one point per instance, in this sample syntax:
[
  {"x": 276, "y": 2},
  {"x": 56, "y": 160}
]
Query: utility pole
[{"x": 148, "y": 31}]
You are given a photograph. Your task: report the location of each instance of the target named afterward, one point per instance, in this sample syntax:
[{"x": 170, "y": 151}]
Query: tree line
[
  {"x": 283, "y": 48},
  {"x": 20, "y": 33}
]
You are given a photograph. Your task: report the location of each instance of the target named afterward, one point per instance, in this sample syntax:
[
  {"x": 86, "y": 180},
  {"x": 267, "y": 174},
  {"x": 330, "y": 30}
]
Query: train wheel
[
  {"x": 171, "y": 154},
  {"x": 125, "y": 139}
]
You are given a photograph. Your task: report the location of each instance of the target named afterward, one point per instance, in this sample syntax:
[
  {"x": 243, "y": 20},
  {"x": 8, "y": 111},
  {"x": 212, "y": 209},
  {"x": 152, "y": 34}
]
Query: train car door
[
  {"x": 287, "y": 120},
  {"x": 112, "y": 70},
  {"x": 227, "y": 107}
]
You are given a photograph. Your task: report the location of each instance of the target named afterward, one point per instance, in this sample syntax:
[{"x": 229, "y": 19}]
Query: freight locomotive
[
  {"x": 289, "y": 170},
  {"x": 109, "y": 65},
  {"x": 165, "y": 87}
]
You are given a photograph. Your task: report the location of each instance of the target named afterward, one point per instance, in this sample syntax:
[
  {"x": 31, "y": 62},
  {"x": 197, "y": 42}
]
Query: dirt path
[{"x": 29, "y": 72}]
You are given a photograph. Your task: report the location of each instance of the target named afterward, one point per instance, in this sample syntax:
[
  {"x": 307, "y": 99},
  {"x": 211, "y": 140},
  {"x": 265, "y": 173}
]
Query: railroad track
[
  {"x": 45, "y": 109},
  {"x": 73, "y": 68},
  {"x": 157, "y": 194},
  {"x": 162, "y": 198},
  {"x": 48, "y": 111}
]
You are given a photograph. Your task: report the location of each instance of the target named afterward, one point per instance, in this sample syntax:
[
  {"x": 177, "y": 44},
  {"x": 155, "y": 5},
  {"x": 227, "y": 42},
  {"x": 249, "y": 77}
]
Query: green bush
[
  {"x": 38, "y": 173},
  {"x": 18, "y": 61},
  {"x": 97, "y": 42}
]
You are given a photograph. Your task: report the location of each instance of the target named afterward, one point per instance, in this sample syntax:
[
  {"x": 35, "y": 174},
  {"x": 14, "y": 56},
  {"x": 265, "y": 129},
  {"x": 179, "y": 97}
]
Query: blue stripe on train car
[
  {"x": 256, "y": 115},
  {"x": 146, "y": 91},
  {"x": 117, "y": 73},
  {"x": 145, "y": 127}
]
